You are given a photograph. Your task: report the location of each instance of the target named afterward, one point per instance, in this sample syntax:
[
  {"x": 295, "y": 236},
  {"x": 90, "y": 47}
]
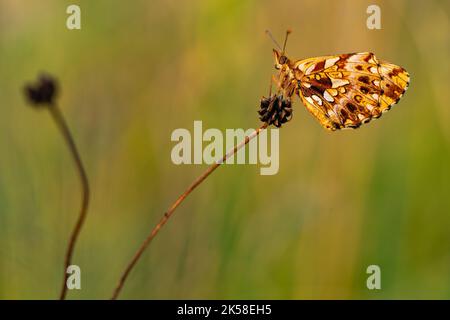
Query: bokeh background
[{"x": 138, "y": 70}]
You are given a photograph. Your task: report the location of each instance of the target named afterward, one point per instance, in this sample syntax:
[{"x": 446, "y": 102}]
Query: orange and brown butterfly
[{"x": 341, "y": 91}]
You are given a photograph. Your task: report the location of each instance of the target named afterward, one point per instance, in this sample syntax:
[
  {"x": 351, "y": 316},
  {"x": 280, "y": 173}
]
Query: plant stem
[
  {"x": 64, "y": 129},
  {"x": 177, "y": 202}
]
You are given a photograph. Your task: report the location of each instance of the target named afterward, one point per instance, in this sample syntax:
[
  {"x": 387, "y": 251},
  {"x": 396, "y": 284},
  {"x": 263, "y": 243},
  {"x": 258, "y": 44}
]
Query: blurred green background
[{"x": 138, "y": 70}]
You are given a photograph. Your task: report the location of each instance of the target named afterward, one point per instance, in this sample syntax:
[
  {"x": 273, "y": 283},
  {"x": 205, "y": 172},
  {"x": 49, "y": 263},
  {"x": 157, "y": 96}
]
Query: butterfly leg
[
  {"x": 270, "y": 86},
  {"x": 277, "y": 83}
]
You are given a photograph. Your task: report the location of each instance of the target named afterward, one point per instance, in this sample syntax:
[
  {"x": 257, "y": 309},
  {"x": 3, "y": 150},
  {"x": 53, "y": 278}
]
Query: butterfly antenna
[
  {"x": 288, "y": 31},
  {"x": 273, "y": 39}
]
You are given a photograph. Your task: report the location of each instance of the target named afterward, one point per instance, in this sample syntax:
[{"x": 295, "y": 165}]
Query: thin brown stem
[
  {"x": 177, "y": 202},
  {"x": 64, "y": 129}
]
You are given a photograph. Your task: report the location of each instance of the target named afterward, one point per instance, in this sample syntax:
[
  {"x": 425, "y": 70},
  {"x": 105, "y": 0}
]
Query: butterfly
[{"x": 341, "y": 91}]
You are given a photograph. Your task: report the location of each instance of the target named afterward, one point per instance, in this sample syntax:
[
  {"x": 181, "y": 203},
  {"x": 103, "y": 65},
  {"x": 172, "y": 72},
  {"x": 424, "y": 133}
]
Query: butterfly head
[
  {"x": 280, "y": 59},
  {"x": 279, "y": 55}
]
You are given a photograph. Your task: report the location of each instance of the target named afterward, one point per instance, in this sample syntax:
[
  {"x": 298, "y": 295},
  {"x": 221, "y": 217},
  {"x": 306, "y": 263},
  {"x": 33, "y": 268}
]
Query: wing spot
[
  {"x": 333, "y": 92},
  {"x": 330, "y": 62},
  {"x": 364, "y": 79},
  {"x": 364, "y": 90},
  {"x": 318, "y": 100},
  {"x": 327, "y": 96},
  {"x": 339, "y": 82},
  {"x": 353, "y": 125},
  {"x": 351, "y": 107},
  {"x": 335, "y": 74},
  {"x": 310, "y": 69}
]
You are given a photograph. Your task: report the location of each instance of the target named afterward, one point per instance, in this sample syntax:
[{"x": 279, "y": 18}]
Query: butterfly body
[{"x": 342, "y": 91}]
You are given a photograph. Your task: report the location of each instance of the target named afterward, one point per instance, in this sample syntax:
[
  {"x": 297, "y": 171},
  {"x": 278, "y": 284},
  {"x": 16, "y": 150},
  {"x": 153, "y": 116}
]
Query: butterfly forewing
[{"x": 347, "y": 90}]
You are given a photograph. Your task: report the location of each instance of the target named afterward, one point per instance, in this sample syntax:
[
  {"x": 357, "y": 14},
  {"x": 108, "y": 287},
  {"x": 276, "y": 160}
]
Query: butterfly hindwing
[{"x": 347, "y": 90}]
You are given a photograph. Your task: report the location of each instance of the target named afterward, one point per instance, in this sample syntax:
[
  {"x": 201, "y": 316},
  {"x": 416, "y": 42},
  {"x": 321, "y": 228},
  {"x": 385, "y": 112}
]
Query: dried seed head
[
  {"x": 275, "y": 110},
  {"x": 43, "y": 91}
]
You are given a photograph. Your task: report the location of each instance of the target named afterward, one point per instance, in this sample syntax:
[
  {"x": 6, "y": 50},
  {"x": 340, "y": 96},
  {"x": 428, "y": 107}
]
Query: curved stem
[
  {"x": 64, "y": 129},
  {"x": 177, "y": 202}
]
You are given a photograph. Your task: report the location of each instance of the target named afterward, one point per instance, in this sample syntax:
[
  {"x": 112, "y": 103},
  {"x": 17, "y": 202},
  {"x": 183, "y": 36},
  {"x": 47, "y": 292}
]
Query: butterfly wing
[{"x": 347, "y": 90}]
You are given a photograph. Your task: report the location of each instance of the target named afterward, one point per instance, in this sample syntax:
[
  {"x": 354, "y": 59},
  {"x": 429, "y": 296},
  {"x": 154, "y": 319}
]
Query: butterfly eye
[{"x": 283, "y": 59}]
